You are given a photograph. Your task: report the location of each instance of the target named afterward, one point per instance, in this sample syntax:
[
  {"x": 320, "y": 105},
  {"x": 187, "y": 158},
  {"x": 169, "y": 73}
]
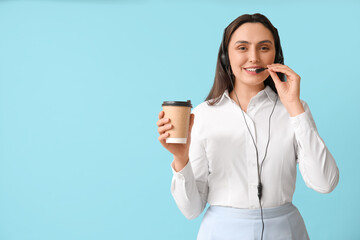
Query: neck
[{"x": 246, "y": 92}]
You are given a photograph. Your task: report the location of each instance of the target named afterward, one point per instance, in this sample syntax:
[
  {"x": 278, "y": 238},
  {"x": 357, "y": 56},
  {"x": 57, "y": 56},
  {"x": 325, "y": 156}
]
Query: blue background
[{"x": 81, "y": 86}]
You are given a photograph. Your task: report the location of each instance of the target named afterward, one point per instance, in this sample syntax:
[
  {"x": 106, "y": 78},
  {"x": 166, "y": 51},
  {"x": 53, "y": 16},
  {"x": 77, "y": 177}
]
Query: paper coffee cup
[{"x": 179, "y": 114}]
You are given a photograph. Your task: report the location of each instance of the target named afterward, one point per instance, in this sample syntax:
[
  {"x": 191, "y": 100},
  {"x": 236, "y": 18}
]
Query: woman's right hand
[{"x": 180, "y": 151}]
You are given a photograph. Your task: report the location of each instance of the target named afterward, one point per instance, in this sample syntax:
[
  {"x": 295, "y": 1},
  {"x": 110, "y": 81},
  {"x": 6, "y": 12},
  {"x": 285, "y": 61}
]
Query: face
[{"x": 251, "y": 46}]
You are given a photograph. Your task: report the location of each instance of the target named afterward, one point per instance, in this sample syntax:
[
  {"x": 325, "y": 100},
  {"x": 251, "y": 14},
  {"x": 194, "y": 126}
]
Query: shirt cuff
[
  {"x": 303, "y": 122},
  {"x": 185, "y": 172}
]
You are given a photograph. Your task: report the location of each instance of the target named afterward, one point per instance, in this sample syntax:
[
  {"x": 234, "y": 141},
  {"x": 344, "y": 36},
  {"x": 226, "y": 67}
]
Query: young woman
[{"x": 243, "y": 146}]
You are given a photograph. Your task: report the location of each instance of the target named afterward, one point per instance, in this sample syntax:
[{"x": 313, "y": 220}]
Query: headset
[{"x": 225, "y": 63}]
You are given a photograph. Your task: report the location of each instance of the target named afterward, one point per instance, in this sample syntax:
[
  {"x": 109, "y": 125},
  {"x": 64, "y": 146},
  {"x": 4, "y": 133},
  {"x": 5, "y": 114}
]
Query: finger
[
  {"x": 289, "y": 73},
  {"x": 161, "y": 114},
  {"x": 276, "y": 64},
  {"x": 282, "y": 68},
  {"x": 164, "y": 128},
  {"x": 192, "y": 116},
  {"x": 191, "y": 123},
  {"x": 192, "y": 119},
  {"x": 162, "y": 121},
  {"x": 163, "y": 137},
  {"x": 275, "y": 77}
]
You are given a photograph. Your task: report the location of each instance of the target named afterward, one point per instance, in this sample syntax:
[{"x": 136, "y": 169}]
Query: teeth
[{"x": 251, "y": 69}]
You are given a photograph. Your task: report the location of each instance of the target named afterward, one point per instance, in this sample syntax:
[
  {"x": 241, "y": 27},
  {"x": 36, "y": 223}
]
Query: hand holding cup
[
  {"x": 180, "y": 151},
  {"x": 174, "y": 126}
]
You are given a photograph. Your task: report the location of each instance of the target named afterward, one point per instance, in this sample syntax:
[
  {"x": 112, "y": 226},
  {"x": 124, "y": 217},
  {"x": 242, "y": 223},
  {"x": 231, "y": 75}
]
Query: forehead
[{"x": 252, "y": 32}]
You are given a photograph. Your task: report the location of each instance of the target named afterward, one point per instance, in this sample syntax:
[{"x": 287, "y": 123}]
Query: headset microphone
[{"x": 260, "y": 70}]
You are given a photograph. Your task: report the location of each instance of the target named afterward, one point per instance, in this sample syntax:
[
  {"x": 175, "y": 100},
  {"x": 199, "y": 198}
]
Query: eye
[
  {"x": 264, "y": 48},
  {"x": 242, "y": 48}
]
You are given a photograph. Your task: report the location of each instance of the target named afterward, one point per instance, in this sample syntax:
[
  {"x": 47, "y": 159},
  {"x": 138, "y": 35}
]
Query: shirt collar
[{"x": 266, "y": 92}]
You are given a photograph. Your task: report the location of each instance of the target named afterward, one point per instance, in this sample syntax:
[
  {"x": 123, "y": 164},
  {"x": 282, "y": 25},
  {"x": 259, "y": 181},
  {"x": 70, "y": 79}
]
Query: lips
[
  {"x": 253, "y": 67},
  {"x": 252, "y": 72}
]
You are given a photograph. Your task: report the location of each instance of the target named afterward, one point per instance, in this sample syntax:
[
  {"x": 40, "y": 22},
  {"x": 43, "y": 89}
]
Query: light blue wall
[{"x": 81, "y": 86}]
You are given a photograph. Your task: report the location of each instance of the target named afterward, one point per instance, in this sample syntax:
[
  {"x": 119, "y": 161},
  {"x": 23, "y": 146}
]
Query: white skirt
[{"x": 226, "y": 223}]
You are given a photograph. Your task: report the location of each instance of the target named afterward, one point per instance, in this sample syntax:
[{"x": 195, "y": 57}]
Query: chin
[{"x": 255, "y": 82}]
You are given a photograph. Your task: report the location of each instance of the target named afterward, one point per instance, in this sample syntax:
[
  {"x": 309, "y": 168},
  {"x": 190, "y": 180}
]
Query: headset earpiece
[
  {"x": 224, "y": 57},
  {"x": 223, "y": 61}
]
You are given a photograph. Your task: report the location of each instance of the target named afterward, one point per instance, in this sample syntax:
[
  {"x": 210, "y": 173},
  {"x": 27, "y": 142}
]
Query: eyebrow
[{"x": 264, "y": 41}]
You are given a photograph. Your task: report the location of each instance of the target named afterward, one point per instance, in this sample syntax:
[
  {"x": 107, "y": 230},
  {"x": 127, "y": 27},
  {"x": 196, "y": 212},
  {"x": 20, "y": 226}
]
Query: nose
[{"x": 253, "y": 55}]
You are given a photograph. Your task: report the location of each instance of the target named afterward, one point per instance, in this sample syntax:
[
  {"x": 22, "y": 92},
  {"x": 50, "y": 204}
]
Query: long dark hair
[{"x": 222, "y": 80}]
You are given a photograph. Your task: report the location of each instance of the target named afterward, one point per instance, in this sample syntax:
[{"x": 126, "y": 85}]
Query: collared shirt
[{"x": 222, "y": 167}]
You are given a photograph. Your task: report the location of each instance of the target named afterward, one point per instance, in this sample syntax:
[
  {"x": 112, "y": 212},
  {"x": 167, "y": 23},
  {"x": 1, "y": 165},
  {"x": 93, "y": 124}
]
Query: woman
[{"x": 247, "y": 138}]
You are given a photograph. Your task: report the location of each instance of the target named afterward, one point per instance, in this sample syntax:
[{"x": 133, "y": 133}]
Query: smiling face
[{"x": 251, "y": 46}]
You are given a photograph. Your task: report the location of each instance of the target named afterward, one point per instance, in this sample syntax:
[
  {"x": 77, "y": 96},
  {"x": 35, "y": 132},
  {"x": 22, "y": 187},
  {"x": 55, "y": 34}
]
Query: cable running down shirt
[{"x": 222, "y": 168}]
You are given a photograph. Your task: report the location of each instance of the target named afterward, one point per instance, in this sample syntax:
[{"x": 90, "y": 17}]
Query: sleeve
[
  {"x": 189, "y": 186},
  {"x": 316, "y": 164}
]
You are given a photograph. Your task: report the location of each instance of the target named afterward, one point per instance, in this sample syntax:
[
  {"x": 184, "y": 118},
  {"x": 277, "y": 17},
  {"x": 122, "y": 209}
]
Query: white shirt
[{"x": 222, "y": 168}]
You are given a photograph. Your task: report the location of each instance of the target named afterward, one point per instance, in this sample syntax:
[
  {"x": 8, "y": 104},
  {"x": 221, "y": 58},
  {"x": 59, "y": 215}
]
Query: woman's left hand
[{"x": 289, "y": 91}]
